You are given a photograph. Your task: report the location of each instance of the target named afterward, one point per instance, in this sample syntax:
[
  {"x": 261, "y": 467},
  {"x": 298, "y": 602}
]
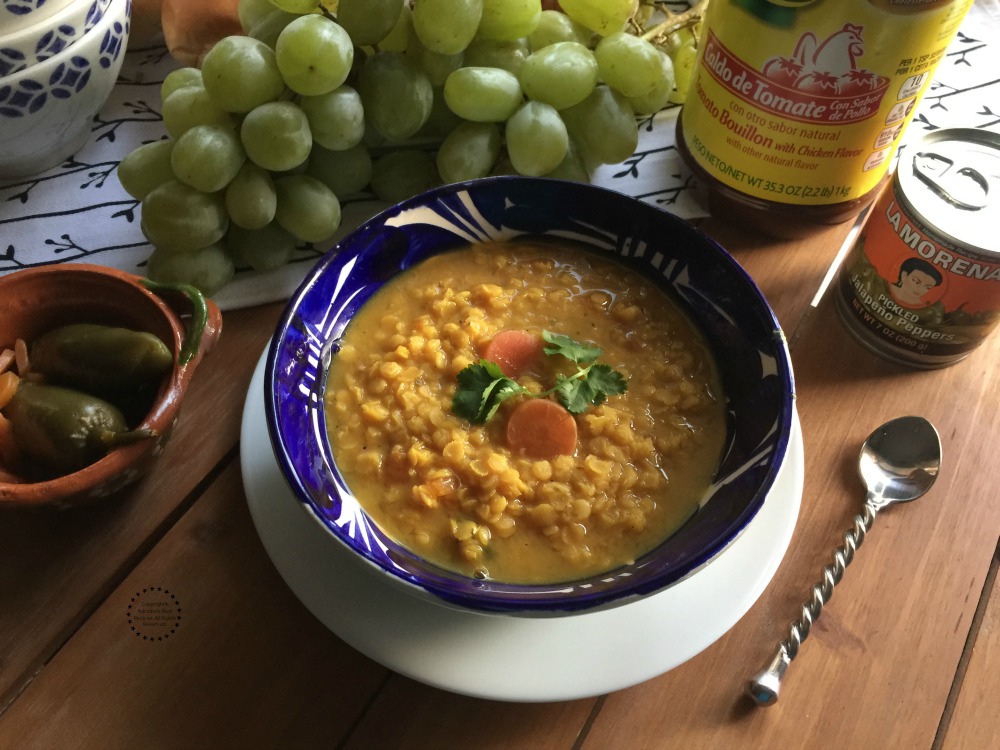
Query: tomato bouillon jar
[{"x": 796, "y": 106}]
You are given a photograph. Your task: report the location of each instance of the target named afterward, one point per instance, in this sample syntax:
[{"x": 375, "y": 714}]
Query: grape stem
[{"x": 675, "y": 21}]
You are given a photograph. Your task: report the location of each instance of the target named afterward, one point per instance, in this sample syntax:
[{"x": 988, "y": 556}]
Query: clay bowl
[{"x": 36, "y": 300}]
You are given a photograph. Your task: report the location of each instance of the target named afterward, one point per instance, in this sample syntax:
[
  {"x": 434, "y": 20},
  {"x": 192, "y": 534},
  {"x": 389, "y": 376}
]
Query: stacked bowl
[{"x": 59, "y": 60}]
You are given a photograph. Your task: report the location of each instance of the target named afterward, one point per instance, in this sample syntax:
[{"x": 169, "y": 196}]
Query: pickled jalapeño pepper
[
  {"x": 101, "y": 359},
  {"x": 61, "y": 430}
]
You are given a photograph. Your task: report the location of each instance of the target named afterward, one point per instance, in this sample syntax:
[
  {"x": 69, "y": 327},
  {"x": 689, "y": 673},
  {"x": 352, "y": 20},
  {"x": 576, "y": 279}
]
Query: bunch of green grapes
[{"x": 319, "y": 100}]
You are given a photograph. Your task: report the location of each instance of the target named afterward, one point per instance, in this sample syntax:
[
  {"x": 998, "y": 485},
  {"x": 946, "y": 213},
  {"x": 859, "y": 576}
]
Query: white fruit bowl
[
  {"x": 49, "y": 36},
  {"x": 20, "y": 14},
  {"x": 47, "y": 109}
]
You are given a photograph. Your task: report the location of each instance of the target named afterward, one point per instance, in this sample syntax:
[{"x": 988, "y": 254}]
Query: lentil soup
[{"x": 453, "y": 491}]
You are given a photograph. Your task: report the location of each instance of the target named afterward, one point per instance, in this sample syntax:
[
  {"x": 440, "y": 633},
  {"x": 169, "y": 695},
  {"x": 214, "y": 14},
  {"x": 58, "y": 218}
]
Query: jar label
[{"x": 805, "y": 107}]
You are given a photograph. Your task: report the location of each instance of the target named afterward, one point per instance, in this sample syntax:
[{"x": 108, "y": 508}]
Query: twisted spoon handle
[{"x": 764, "y": 687}]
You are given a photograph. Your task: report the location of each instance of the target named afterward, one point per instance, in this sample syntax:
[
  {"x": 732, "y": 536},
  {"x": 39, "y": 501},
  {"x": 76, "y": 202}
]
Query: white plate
[{"x": 500, "y": 657}]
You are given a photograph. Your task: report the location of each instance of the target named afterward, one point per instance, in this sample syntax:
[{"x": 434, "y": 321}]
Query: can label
[
  {"x": 804, "y": 102},
  {"x": 909, "y": 293}
]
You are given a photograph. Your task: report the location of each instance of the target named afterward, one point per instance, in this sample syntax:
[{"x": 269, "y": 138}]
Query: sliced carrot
[
  {"x": 6, "y": 359},
  {"x": 8, "y": 387},
  {"x": 541, "y": 428},
  {"x": 515, "y": 351}
]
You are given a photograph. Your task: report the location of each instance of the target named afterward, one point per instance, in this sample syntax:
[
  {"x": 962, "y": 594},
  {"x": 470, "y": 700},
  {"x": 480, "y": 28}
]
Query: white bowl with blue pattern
[
  {"x": 47, "y": 109},
  {"x": 20, "y": 14},
  {"x": 40, "y": 41},
  {"x": 705, "y": 280}
]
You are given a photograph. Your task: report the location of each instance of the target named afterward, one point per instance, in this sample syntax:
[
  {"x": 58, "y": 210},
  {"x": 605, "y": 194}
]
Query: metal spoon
[{"x": 899, "y": 462}]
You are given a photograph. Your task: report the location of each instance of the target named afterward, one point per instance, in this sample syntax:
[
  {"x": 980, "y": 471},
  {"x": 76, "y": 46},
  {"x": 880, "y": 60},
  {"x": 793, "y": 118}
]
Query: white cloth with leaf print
[{"x": 78, "y": 211}]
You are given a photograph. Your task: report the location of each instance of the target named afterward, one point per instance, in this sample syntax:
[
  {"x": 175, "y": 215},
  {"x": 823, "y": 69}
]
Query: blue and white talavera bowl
[
  {"x": 47, "y": 109},
  {"x": 16, "y": 15},
  {"x": 34, "y": 44},
  {"x": 716, "y": 292}
]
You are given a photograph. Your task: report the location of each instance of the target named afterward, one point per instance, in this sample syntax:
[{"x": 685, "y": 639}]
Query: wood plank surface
[
  {"x": 248, "y": 666},
  {"x": 973, "y": 723}
]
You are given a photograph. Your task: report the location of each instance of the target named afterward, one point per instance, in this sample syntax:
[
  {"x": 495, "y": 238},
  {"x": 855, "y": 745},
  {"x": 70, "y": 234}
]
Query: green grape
[
  {"x": 628, "y": 64},
  {"x": 249, "y": 12},
  {"x": 436, "y": 66},
  {"x": 404, "y": 173},
  {"x": 503, "y": 167},
  {"x": 207, "y": 157},
  {"x": 178, "y": 79},
  {"x": 344, "y": 172},
  {"x": 507, "y": 20},
  {"x": 307, "y": 208},
  {"x": 190, "y": 106},
  {"x": 241, "y": 73},
  {"x": 441, "y": 120},
  {"x": 373, "y": 138},
  {"x": 265, "y": 249},
  {"x": 677, "y": 39},
  {"x": 178, "y": 218},
  {"x": 572, "y": 167},
  {"x": 398, "y": 39},
  {"x": 537, "y": 140},
  {"x": 276, "y": 136},
  {"x": 683, "y": 59},
  {"x": 487, "y": 53},
  {"x": 603, "y": 16},
  {"x": 561, "y": 74},
  {"x": 659, "y": 97},
  {"x": 368, "y": 21},
  {"x": 336, "y": 119},
  {"x": 314, "y": 55},
  {"x": 469, "y": 151},
  {"x": 447, "y": 26},
  {"x": 268, "y": 28},
  {"x": 208, "y": 269},
  {"x": 553, "y": 27},
  {"x": 604, "y": 126},
  {"x": 250, "y": 198},
  {"x": 397, "y": 96},
  {"x": 296, "y": 6},
  {"x": 483, "y": 94},
  {"x": 145, "y": 168}
]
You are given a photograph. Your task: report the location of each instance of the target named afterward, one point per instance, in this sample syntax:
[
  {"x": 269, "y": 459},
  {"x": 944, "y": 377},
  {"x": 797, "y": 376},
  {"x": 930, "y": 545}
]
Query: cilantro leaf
[
  {"x": 606, "y": 381},
  {"x": 589, "y": 387},
  {"x": 575, "y": 394},
  {"x": 498, "y": 392},
  {"x": 572, "y": 350},
  {"x": 481, "y": 389}
]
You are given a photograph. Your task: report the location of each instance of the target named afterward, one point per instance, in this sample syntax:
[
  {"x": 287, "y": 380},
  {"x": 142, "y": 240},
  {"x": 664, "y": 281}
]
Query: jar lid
[{"x": 951, "y": 179}]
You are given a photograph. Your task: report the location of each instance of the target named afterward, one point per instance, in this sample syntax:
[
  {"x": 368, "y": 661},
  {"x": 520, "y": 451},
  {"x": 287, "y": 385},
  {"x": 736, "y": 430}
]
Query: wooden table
[{"x": 905, "y": 655}]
